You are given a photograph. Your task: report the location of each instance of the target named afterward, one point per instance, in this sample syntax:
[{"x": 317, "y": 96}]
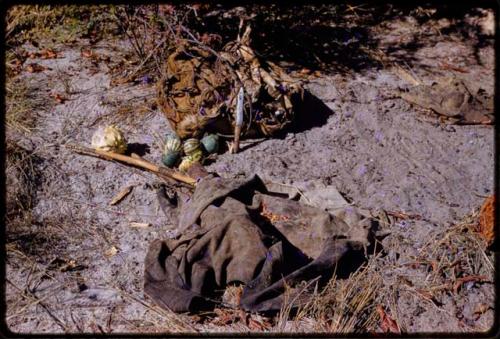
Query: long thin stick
[{"x": 162, "y": 172}]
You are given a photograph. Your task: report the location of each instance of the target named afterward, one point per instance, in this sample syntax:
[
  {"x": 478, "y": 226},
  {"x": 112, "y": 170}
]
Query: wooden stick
[
  {"x": 236, "y": 142},
  {"x": 137, "y": 161}
]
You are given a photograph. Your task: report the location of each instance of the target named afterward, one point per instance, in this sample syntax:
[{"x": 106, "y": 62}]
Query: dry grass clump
[
  {"x": 21, "y": 181},
  {"x": 43, "y": 240},
  {"x": 22, "y": 100},
  {"x": 455, "y": 257},
  {"x": 343, "y": 306}
]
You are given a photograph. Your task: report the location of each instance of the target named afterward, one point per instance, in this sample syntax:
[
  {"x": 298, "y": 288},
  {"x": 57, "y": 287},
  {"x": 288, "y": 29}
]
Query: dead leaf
[
  {"x": 486, "y": 220},
  {"x": 86, "y": 53},
  {"x": 387, "y": 324},
  {"x": 480, "y": 309},
  {"x": 60, "y": 99},
  {"x": 35, "y": 68},
  {"x": 48, "y": 54},
  {"x": 111, "y": 252},
  {"x": 401, "y": 215},
  {"x": 139, "y": 224},
  {"x": 224, "y": 317},
  {"x": 266, "y": 213},
  {"x": 121, "y": 195},
  {"x": 258, "y": 324}
]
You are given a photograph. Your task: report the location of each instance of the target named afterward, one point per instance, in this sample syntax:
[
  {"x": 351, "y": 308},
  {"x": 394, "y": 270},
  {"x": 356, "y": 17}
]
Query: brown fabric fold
[{"x": 240, "y": 233}]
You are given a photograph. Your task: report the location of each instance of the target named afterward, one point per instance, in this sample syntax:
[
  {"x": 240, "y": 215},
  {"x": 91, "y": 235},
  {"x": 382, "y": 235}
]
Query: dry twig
[{"x": 162, "y": 172}]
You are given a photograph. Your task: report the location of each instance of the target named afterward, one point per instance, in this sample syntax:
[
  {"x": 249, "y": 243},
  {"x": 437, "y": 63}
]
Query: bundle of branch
[{"x": 198, "y": 90}]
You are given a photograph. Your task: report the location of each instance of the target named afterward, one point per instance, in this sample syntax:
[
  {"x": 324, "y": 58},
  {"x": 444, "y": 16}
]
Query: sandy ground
[{"x": 379, "y": 151}]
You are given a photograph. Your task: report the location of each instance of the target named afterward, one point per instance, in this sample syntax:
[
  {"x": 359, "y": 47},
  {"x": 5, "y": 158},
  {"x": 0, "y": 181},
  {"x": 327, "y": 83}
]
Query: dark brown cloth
[{"x": 236, "y": 231}]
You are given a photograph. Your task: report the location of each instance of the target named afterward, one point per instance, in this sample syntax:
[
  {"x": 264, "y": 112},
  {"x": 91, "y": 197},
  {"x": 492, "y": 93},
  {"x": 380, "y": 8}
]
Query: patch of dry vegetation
[
  {"x": 22, "y": 102},
  {"x": 362, "y": 303},
  {"x": 343, "y": 306},
  {"x": 21, "y": 182},
  {"x": 455, "y": 257},
  {"x": 152, "y": 31},
  {"x": 57, "y": 23}
]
